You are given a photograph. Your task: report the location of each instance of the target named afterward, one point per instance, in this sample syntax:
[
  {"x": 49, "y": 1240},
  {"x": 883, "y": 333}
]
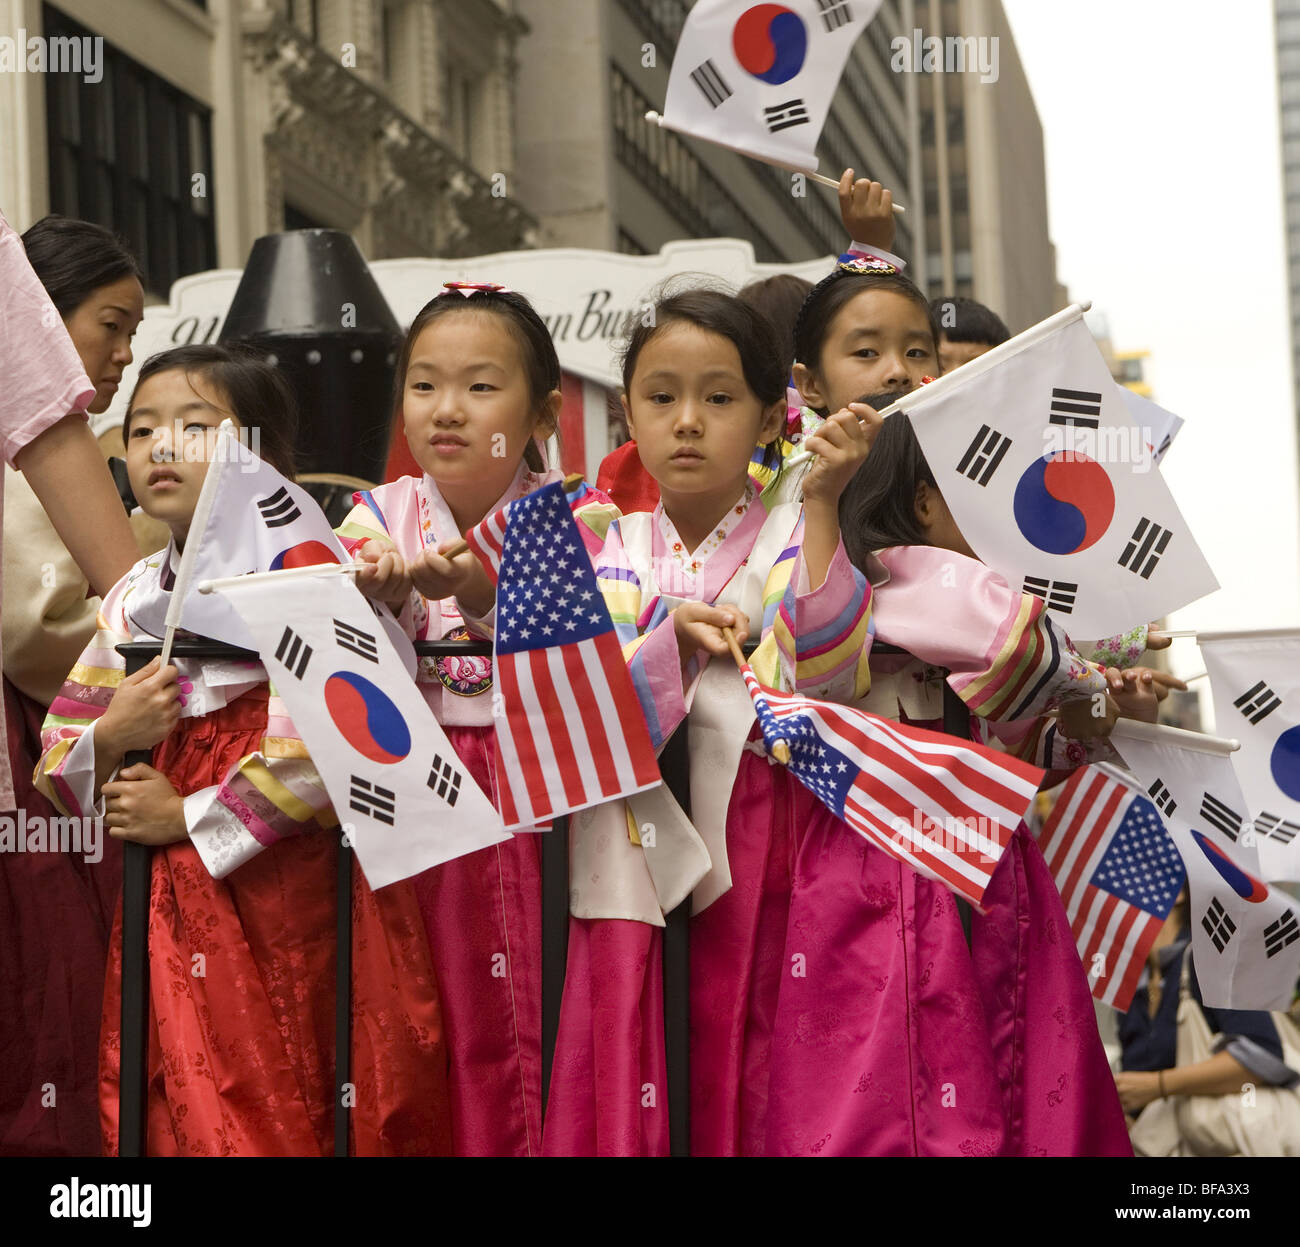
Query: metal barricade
[{"x": 674, "y": 764}]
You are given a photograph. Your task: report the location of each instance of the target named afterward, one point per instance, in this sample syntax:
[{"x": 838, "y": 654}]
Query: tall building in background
[
  {"x": 217, "y": 121},
  {"x": 985, "y": 175},
  {"x": 1287, "y": 17},
  {"x": 462, "y": 127},
  {"x": 596, "y": 174}
]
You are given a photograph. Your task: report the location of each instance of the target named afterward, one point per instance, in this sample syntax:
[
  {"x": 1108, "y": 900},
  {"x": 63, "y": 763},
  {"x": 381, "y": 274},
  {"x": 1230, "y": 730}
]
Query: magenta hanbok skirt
[
  {"x": 836, "y": 1009},
  {"x": 483, "y": 916}
]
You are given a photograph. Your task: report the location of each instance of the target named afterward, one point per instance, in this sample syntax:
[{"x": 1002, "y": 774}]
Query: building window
[
  {"x": 671, "y": 171},
  {"x": 132, "y": 153}
]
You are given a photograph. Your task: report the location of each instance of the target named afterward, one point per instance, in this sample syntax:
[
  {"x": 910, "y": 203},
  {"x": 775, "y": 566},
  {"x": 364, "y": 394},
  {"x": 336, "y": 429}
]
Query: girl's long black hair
[{"x": 878, "y": 506}]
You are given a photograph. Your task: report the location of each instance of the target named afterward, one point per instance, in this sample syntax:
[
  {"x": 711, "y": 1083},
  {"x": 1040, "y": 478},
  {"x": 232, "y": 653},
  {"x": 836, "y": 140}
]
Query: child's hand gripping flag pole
[
  {"x": 758, "y": 78},
  {"x": 567, "y": 736},
  {"x": 945, "y": 807}
]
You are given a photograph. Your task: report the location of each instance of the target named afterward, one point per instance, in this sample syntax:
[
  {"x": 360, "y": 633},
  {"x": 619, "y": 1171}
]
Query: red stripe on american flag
[
  {"x": 905, "y": 847},
  {"x": 645, "y": 766},
  {"x": 922, "y": 773},
  {"x": 487, "y": 541},
  {"x": 596, "y": 731},
  {"x": 552, "y": 739},
  {"x": 537, "y": 795},
  {"x": 1101, "y": 816},
  {"x": 963, "y": 764},
  {"x": 1140, "y": 942}
]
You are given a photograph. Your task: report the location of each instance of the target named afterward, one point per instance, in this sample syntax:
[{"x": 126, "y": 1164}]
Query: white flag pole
[
  {"x": 657, "y": 119},
  {"x": 969, "y": 371},
  {"x": 1162, "y": 734},
  {"x": 193, "y": 538},
  {"x": 288, "y": 573}
]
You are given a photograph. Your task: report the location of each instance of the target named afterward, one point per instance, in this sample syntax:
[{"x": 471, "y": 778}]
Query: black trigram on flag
[
  {"x": 279, "y": 509},
  {"x": 1258, "y": 702},
  {"x": 1160, "y": 450},
  {"x": 444, "y": 779},
  {"x": 1277, "y": 828},
  {"x": 835, "y": 13},
  {"x": 1218, "y": 926},
  {"x": 294, "y": 652},
  {"x": 1145, "y": 548},
  {"x": 783, "y": 116},
  {"x": 986, "y": 451},
  {"x": 1058, "y": 594},
  {"x": 1162, "y": 797},
  {"x": 1277, "y": 935},
  {"x": 1226, "y": 819},
  {"x": 1076, "y": 408},
  {"x": 372, "y": 800},
  {"x": 362, "y": 644},
  {"x": 713, "y": 86}
]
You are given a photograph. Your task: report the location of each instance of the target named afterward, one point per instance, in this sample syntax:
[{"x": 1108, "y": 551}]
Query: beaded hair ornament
[
  {"x": 864, "y": 262},
  {"x": 470, "y": 288}
]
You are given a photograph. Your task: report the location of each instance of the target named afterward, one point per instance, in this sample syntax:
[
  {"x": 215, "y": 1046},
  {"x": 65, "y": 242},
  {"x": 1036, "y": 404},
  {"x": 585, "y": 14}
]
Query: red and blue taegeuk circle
[
  {"x": 1284, "y": 762},
  {"x": 367, "y": 718},
  {"x": 770, "y": 42},
  {"x": 1064, "y": 503},
  {"x": 304, "y": 554},
  {"x": 1245, "y": 886}
]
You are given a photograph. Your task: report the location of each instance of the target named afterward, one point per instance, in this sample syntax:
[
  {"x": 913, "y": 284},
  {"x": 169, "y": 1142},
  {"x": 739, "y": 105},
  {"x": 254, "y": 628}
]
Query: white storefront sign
[{"x": 585, "y": 297}]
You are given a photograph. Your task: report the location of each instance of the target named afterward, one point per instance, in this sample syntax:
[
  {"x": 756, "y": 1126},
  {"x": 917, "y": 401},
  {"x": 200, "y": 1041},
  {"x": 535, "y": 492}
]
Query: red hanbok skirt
[{"x": 242, "y": 969}]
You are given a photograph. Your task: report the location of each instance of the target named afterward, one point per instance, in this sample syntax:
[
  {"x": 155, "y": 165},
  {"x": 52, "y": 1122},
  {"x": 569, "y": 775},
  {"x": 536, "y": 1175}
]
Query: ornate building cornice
[{"x": 354, "y": 137}]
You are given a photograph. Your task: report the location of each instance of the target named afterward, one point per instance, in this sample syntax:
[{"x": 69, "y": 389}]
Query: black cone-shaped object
[{"x": 308, "y": 300}]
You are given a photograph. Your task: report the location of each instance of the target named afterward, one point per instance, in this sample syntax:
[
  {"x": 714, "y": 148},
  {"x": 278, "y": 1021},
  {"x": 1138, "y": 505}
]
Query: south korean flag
[
  {"x": 1052, "y": 483},
  {"x": 392, "y": 776},
  {"x": 249, "y": 518},
  {"x": 1255, "y": 678},
  {"x": 1245, "y": 934},
  {"x": 759, "y": 78}
]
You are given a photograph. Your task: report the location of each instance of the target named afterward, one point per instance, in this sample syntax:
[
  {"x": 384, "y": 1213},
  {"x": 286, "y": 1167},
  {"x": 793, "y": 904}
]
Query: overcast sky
[{"x": 1164, "y": 188}]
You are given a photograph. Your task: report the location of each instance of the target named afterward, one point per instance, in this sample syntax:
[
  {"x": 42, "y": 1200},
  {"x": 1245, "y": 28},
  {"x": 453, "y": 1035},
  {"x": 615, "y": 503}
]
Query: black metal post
[
  {"x": 675, "y": 767},
  {"x": 555, "y": 941},
  {"x": 956, "y": 722},
  {"x": 133, "y": 1069},
  {"x": 343, "y": 999}
]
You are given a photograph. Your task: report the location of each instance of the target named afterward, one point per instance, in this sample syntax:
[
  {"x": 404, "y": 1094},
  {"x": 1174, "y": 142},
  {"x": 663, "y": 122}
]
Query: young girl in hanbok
[
  {"x": 703, "y": 385},
  {"x": 478, "y": 394},
  {"x": 935, "y": 1046},
  {"x": 242, "y": 902}
]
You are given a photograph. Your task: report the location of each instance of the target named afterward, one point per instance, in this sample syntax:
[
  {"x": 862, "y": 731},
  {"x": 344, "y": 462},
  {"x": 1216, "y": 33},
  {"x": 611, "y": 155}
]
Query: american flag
[
  {"x": 566, "y": 737},
  {"x": 945, "y": 807},
  {"x": 487, "y": 538},
  {"x": 1118, "y": 873}
]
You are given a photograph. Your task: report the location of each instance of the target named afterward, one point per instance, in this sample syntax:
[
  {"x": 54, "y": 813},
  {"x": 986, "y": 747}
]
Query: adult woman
[
  {"x": 55, "y": 907},
  {"x": 1205, "y": 1082}
]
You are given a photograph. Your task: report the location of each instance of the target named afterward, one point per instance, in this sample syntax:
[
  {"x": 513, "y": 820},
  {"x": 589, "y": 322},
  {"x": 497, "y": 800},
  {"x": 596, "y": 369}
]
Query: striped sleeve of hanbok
[
  {"x": 823, "y": 636},
  {"x": 1006, "y": 657},
  {"x": 268, "y": 796},
  {"x": 65, "y": 773},
  {"x": 647, "y": 634}
]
